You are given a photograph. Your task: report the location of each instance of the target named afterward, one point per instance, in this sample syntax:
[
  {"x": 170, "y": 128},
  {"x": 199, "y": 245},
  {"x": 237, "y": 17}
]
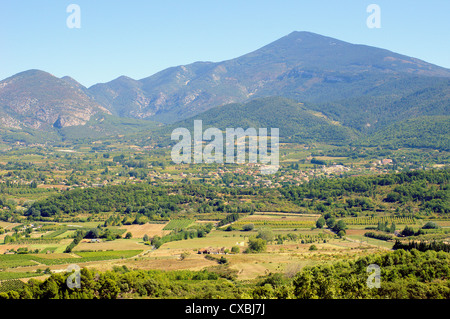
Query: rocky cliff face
[{"x": 39, "y": 100}]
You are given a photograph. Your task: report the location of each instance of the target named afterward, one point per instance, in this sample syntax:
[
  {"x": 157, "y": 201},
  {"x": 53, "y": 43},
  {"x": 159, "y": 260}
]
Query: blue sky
[{"x": 138, "y": 38}]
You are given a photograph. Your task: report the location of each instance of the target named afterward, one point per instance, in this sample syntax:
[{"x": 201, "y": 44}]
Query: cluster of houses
[{"x": 211, "y": 251}]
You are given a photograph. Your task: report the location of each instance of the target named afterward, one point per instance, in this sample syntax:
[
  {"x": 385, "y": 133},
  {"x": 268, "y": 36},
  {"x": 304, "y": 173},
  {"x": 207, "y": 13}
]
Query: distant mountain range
[
  {"x": 304, "y": 66},
  {"x": 305, "y": 81}
]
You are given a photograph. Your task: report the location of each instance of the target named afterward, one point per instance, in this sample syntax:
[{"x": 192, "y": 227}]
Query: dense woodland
[
  {"x": 153, "y": 202},
  {"x": 428, "y": 190}
]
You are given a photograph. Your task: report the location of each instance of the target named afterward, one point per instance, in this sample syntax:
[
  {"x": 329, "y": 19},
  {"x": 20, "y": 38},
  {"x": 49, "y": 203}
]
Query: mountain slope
[
  {"x": 295, "y": 122},
  {"x": 104, "y": 126},
  {"x": 404, "y": 98},
  {"x": 38, "y": 100},
  {"x": 420, "y": 132}
]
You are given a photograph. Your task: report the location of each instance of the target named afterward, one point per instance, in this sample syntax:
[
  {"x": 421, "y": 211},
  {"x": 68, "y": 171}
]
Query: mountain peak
[
  {"x": 304, "y": 34},
  {"x": 33, "y": 73},
  {"x": 124, "y": 78},
  {"x": 306, "y": 38},
  {"x": 302, "y": 65},
  {"x": 72, "y": 82}
]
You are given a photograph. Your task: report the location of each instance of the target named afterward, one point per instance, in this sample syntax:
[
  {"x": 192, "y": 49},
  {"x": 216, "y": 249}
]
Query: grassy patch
[
  {"x": 17, "y": 275},
  {"x": 12, "y": 261},
  {"x": 48, "y": 250},
  {"x": 372, "y": 241},
  {"x": 178, "y": 224}
]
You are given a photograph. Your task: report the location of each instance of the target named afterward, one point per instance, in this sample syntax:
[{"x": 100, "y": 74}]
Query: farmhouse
[{"x": 210, "y": 250}]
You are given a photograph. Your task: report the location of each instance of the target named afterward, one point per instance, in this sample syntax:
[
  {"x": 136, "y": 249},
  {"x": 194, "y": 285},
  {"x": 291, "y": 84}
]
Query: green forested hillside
[
  {"x": 369, "y": 120},
  {"x": 399, "y": 100},
  {"x": 295, "y": 122},
  {"x": 421, "y": 132}
]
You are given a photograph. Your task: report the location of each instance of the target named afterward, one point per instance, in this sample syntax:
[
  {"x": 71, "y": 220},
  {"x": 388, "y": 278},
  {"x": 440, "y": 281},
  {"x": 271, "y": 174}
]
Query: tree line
[
  {"x": 404, "y": 274},
  {"x": 153, "y": 202}
]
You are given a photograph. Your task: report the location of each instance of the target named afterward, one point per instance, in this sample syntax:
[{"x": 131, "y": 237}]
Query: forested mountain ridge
[
  {"x": 420, "y": 132},
  {"x": 296, "y": 123},
  {"x": 401, "y": 99}
]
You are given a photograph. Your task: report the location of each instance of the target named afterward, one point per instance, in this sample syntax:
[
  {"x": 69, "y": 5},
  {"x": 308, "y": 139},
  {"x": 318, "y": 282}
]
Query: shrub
[
  {"x": 408, "y": 231},
  {"x": 266, "y": 234},
  {"x": 430, "y": 225},
  {"x": 235, "y": 249},
  {"x": 320, "y": 222},
  {"x": 378, "y": 236},
  {"x": 256, "y": 245},
  {"x": 331, "y": 222},
  {"x": 340, "y": 226}
]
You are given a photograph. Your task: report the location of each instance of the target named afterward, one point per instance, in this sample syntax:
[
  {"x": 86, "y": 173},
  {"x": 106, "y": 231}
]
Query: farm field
[
  {"x": 279, "y": 257},
  {"x": 445, "y": 224},
  {"x": 59, "y": 247},
  {"x": 365, "y": 221},
  {"x": 216, "y": 239},
  {"x": 178, "y": 224},
  {"x": 138, "y": 231},
  {"x": 9, "y": 262},
  {"x": 371, "y": 241},
  {"x": 119, "y": 244},
  {"x": 277, "y": 220}
]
